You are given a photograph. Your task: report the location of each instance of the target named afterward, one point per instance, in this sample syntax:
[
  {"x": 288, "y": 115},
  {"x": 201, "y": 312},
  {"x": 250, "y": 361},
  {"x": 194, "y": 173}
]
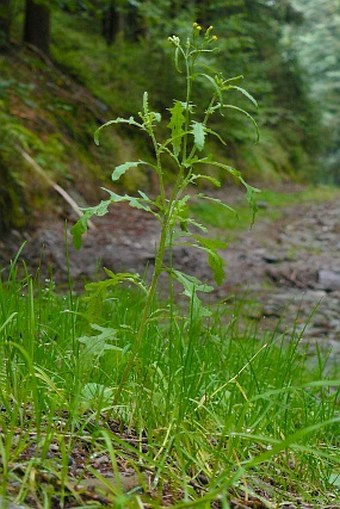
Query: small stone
[
  {"x": 128, "y": 481},
  {"x": 329, "y": 280},
  {"x": 271, "y": 258}
]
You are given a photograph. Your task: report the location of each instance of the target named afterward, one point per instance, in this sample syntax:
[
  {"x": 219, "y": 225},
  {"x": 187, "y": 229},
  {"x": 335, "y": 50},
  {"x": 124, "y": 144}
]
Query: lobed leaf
[
  {"x": 191, "y": 283},
  {"x": 235, "y": 173},
  {"x": 117, "y": 278},
  {"x": 191, "y": 286},
  {"x": 176, "y": 124},
  {"x": 95, "y": 346}
]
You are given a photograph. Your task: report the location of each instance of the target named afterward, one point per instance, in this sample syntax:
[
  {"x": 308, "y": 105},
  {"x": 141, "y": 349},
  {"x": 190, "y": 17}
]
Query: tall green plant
[{"x": 188, "y": 131}]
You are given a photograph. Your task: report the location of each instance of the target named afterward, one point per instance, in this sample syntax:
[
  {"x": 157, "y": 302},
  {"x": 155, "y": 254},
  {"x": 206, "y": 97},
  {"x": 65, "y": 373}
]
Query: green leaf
[
  {"x": 93, "y": 393},
  {"x": 245, "y": 93},
  {"x": 176, "y": 124},
  {"x": 214, "y": 133},
  {"x": 210, "y": 179},
  {"x": 80, "y": 227},
  {"x": 210, "y": 243},
  {"x": 251, "y": 198},
  {"x": 133, "y": 201},
  {"x": 226, "y": 167},
  {"x": 191, "y": 283},
  {"x": 216, "y": 200},
  {"x": 232, "y": 107},
  {"x": 215, "y": 261},
  {"x": 197, "y": 225},
  {"x": 157, "y": 116},
  {"x": 123, "y": 168},
  {"x": 124, "y": 277},
  {"x": 78, "y": 230},
  {"x": 95, "y": 346},
  {"x": 191, "y": 286},
  {"x": 334, "y": 480},
  {"x": 118, "y": 120},
  {"x": 215, "y": 85},
  {"x": 198, "y": 131}
]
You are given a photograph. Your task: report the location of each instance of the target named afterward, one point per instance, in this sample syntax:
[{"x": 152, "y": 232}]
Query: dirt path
[
  {"x": 286, "y": 267},
  {"x": 292, "y": 269}
]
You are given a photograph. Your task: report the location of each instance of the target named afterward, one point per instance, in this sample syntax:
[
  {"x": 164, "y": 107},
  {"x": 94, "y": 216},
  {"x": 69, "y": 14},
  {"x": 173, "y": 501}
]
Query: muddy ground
[{"x": 288, "y": 269}]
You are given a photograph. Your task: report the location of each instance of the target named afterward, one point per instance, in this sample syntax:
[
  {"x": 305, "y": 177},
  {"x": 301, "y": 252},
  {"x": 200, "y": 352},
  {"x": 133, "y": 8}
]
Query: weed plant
[{"x": 183, "y": 147}]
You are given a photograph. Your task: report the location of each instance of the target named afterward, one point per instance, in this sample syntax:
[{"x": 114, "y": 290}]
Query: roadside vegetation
[{"x": 211, "y": 415}]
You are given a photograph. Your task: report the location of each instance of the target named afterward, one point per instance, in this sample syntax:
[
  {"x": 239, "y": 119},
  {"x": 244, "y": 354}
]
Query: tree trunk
[
  {"x": 111, "y": 23},
  {"x": 37, "y": 25},
  {"x": 5, "y": 22}
]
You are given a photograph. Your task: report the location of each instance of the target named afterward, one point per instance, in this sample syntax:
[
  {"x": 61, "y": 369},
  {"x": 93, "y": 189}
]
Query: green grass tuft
[{"x": 209, "y": 413}]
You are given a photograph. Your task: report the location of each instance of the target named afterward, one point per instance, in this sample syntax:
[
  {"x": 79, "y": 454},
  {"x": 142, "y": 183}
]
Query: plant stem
[
  {"x": 148, "y": 303},
  {"x": 188, "y": 95}
]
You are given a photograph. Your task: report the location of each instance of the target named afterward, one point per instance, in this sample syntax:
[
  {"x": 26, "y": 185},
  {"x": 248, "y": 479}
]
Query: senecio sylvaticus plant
[{"x": 188, "y": 129}]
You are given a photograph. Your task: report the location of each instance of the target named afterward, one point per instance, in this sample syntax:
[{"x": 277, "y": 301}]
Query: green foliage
[
  {"x": 254, "y": 47},
  {"x": 187, "y": 138},
  {"x": 206, "y": 392}
]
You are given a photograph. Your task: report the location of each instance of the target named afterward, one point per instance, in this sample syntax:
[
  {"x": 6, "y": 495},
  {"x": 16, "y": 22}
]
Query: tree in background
[
  {"x": 121, "y": 17},
  {"x": 317, "y": 43},
  {"x": 37, "y": 25},
  {"x": 5, "y": 22},
  {"x": 252, "y": 44}
]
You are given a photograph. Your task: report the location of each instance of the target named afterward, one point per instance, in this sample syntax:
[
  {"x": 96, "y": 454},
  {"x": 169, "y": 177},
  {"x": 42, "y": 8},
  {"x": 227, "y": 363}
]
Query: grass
[{"x": 209, "y": 414}]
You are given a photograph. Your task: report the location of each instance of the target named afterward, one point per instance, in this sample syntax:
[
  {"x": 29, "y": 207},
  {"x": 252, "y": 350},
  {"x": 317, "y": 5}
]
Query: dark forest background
[{"x": 68, "y": 66}]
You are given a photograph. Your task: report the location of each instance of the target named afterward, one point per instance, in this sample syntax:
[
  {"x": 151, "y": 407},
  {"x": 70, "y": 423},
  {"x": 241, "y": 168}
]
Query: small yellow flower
[{"x": 214, "y": 38}]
